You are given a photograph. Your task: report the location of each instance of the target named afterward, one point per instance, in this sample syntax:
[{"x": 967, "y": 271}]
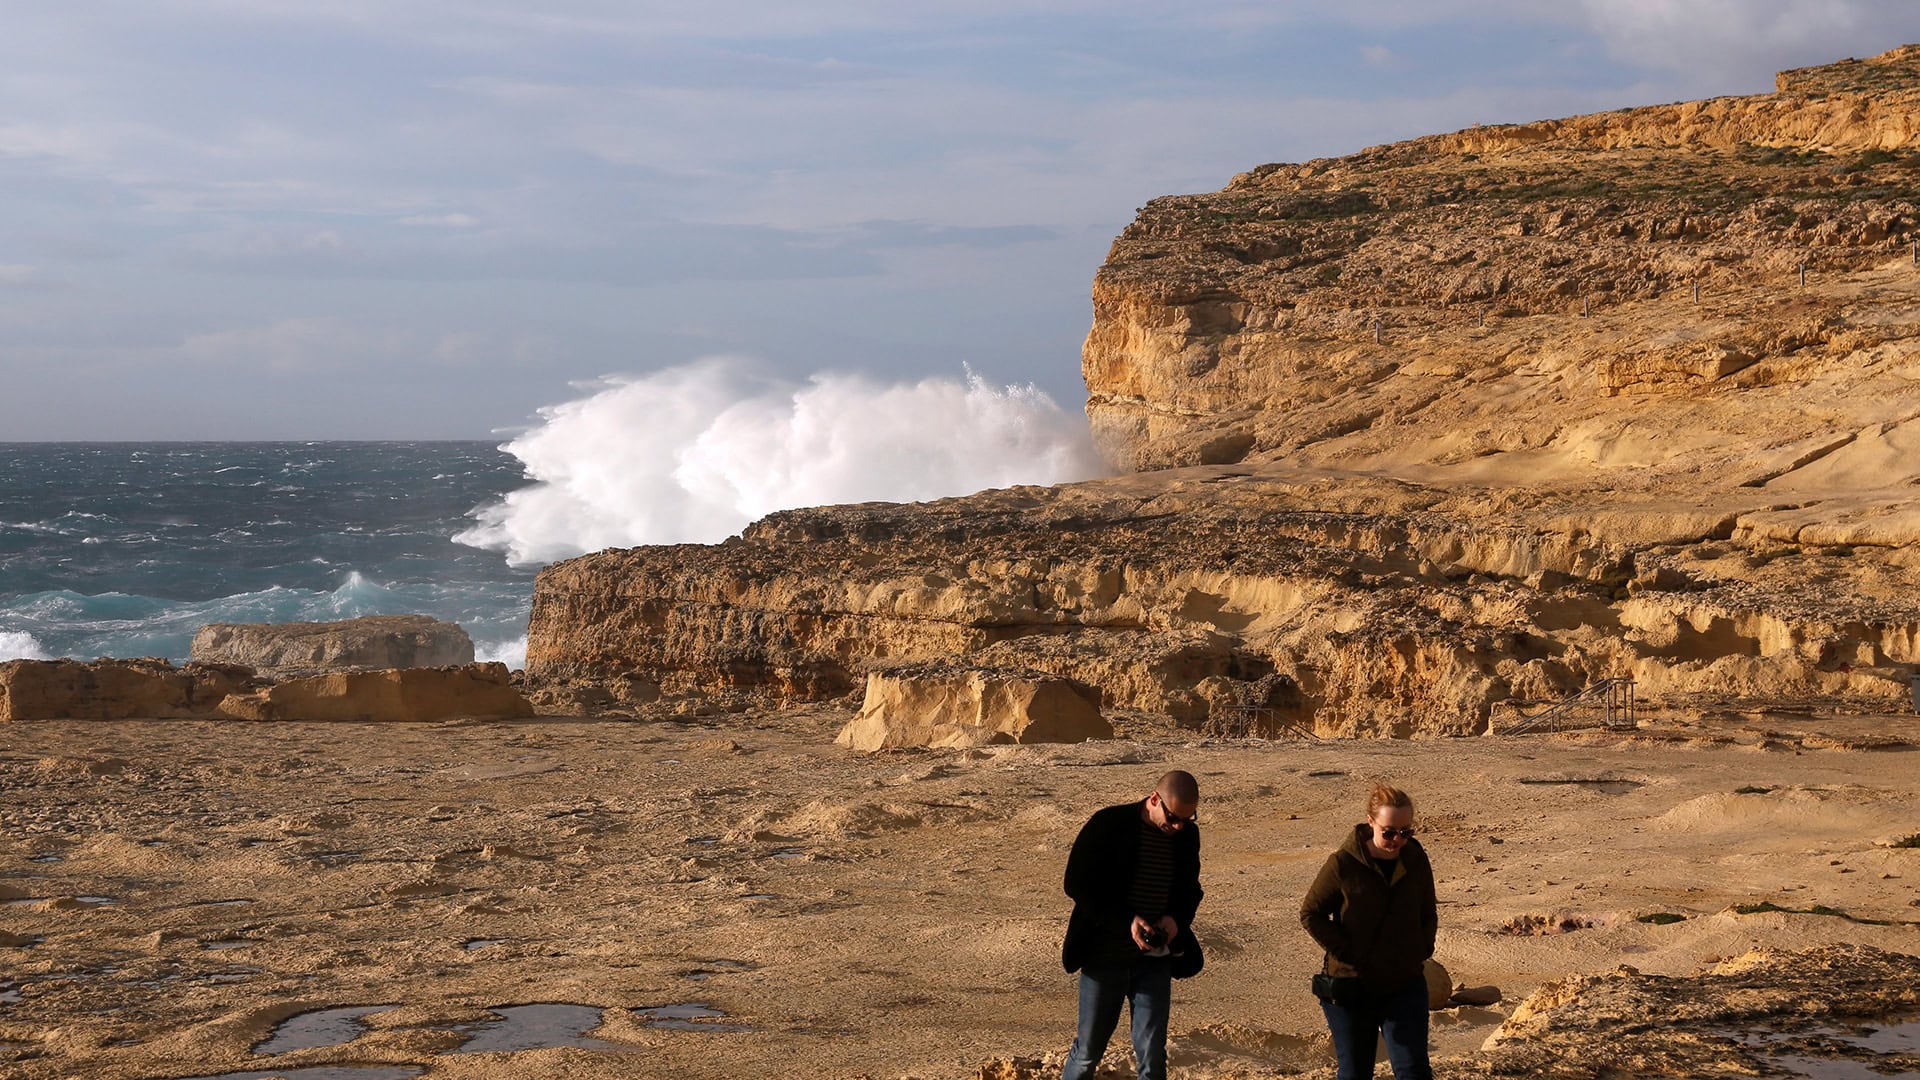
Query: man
[{"x": 1134, "y": 876}]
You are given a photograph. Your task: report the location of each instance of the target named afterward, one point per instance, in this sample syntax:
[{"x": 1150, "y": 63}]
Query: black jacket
[
  {"x": 1379, "y": 930},
  {"x": 1100, "y": 878}
]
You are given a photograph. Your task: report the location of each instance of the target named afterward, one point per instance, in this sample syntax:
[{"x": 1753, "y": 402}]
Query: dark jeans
[
  {"x": 1147, "y": 984},
  {"x": 1400, "y": 1017}
]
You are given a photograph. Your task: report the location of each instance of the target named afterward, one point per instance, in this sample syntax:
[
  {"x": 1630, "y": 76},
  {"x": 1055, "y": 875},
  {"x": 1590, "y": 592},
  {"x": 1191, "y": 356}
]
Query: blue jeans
[
  {"x": 1146, "y": 986},
  {"x": 1399, "y": 1016}
]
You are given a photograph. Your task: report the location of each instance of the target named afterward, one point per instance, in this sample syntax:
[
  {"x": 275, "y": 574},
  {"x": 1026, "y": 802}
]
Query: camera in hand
[{"x": 1154, "y": 937}]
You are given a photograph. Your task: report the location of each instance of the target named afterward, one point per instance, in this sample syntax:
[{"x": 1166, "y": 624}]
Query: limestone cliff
[
  {"x": 1358, "y": 605},
  {"x": 1526, "y": 293},
  {"x": 1417, "y": 437}
]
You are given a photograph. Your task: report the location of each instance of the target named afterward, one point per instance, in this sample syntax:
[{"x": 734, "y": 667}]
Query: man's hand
[{"x": 1167, "y": 927}]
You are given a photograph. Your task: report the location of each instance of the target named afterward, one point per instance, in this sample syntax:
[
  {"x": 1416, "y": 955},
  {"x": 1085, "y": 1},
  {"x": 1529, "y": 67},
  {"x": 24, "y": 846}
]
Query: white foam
[
  {"x": 694, "y": 453},
  {"x": 511, "y": 653},
  {"x": 19, "y": 645}
]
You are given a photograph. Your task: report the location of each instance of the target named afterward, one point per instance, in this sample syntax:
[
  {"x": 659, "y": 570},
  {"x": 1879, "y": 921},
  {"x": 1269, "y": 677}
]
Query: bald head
[{"x": 1179, "y": 787}]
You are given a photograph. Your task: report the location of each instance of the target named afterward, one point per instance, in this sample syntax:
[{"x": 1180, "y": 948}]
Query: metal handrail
[
  {"x": 1617, "y": 698},
  {"x": 1279, "y": 718}
]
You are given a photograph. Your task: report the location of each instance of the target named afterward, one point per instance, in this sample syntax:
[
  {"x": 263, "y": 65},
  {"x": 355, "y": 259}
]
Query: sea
[{"x": 126, "y": 549}]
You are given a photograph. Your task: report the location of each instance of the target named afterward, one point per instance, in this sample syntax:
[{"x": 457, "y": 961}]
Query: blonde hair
[{"x": 1387, "y": 795}]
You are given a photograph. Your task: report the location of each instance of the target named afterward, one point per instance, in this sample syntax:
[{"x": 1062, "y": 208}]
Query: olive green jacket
[{"x": 1379, "y": 930}]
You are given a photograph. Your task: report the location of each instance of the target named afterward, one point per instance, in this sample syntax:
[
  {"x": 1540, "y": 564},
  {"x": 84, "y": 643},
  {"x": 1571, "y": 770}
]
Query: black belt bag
[
  {"x": 1342, "y": 990},
  {"x": 1346, "y": 990}
]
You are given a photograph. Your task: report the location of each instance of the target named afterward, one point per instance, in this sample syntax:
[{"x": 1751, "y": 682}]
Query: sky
[{"x": 306, "y": 219}]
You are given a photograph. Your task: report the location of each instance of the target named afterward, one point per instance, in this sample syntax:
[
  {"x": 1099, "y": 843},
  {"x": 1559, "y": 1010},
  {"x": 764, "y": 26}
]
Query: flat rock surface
[{"x": 170, "y": 893}]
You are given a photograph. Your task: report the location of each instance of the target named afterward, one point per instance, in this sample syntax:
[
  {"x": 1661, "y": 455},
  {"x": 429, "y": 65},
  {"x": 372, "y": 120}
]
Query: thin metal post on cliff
[
  {"x": 1803, "y": 275},
  {"x": 1696, "y": 292},
  {"x": 1586, "y": 308},
  {"x": 1376, "y": 331}
]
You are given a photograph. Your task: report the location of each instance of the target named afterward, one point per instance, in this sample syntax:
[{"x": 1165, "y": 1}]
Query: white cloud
[
  {"x": 286, "y": 347},
  {"x": 1710, "y": 41},
  {"x": 1376, "y": 55},
  {"x": 441, "y": 221}
]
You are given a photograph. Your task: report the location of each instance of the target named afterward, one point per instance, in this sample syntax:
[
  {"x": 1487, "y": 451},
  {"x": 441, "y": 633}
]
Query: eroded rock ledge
[{"x": 1356, "y": 605}]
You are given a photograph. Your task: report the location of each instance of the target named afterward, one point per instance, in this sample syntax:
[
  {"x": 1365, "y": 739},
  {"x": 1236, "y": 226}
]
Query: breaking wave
[
  {"x": 694, "y": 453},
  {"x": 15, "y": 645}
]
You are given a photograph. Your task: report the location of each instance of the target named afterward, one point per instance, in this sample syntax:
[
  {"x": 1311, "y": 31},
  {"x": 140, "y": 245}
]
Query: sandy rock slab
[
  {"x": 402, "y": 694},
  {"x": 733, "y": 896},
  {"x": 1816, "y": 1011},
  {"x": 156, "y": 690},
  {"x": 304, "y": 648},
  {"x": 116, "y": 689},
  {"x": 1837, "y": 1010},
  {"x": 931, "y": 706}
]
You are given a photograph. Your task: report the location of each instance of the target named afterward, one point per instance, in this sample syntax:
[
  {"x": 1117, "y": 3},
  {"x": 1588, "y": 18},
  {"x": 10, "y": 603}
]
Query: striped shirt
[{"x": 1152, "y": 873}]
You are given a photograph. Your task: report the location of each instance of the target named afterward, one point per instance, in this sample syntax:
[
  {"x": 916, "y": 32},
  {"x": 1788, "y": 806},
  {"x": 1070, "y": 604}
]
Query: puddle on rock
[
  {"x": 48, "y": 857},
  {"x": 231, "y": 944},
  {"x": 219, "y": 903},
  {"x": 709, "y": 968},
  {"x": 325, "y": 1073},
  {"x": 1895, "y": 1038},
  {"x": 533, "y": 1027},
  {"x": 480, "y": 943},
  {"x": 321, "y": 1027},
  {"x": 1859, "y": 1052},
  {"x": 9, "y": 993},
  {"x": 688, "y": 1016},
  {"x": 787, "y": 853},
  {"x": 98, "y": 901}
]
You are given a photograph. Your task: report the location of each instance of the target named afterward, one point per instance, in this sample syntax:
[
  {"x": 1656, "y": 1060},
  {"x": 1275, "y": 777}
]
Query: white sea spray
[{"x": 693, "y": 453}]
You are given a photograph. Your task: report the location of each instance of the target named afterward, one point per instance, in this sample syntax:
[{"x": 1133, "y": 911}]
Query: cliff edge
[{"x": 1411, "y": 440}]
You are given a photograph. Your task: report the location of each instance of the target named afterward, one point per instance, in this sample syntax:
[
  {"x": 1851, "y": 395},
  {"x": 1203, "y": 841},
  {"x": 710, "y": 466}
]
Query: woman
[{"x": 1372, "y": 909}]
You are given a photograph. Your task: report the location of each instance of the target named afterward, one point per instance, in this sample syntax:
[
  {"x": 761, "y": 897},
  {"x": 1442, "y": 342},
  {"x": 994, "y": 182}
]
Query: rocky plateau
[{"x": 1409, "y": 442}]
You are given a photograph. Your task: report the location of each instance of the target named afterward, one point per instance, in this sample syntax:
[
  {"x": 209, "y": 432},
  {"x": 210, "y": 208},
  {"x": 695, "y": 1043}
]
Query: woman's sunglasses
[{"x": 1394, "y": 834}]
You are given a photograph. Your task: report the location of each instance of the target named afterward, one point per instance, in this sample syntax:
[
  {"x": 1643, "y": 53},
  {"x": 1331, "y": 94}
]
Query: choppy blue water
[{"x": 126, "y": 549}]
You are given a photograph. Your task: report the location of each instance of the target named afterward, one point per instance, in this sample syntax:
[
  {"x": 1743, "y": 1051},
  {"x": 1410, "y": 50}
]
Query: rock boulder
[
  {"x": 932, "y": 706},
  {"x": 282, "y": 650},
  {"x": 476, "y": 691},
  {"x": 152, "y": 689},
  {"x": 116, "y": 689}
]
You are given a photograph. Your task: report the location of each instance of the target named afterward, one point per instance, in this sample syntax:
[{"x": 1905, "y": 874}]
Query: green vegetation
[
  {"x": 1818, "y": 909},
  {"x": 1780, "y": 155},
  {"x": 1869, "y": 159},
  {"x": 1343, "y": 204},
  {"x": 1751, "y": 790},
  {"x": 1907, "y": 842},
  {"x": 1662, "y": 918}
]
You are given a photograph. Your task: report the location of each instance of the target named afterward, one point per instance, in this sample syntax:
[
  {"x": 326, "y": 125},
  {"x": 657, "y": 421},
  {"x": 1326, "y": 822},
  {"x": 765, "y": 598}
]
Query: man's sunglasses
[
  {"x": 1174, "y": 819},
  {"x": 1394, "y": 834}
]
